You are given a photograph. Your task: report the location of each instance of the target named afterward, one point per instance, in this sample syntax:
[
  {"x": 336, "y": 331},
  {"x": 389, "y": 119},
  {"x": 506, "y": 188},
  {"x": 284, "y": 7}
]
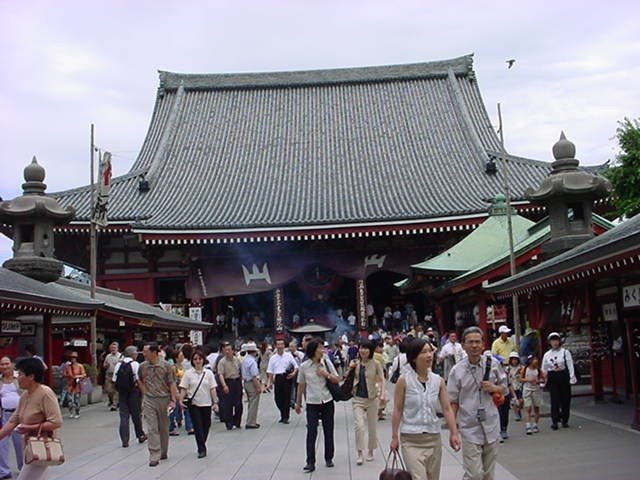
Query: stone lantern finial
[{"x": 33, "y": 216}]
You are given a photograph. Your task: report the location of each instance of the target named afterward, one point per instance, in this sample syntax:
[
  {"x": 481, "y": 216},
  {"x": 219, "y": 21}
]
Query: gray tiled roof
[
  {"x": 325, "y": 147},
  {"x": 17, "y": 288},
  {"x": 623, "y": 238},
  {"x": 122, "y": 303}
]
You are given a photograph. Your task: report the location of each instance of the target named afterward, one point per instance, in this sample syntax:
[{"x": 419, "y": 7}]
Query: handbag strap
[
  {"x": 199, "y": 383},
  {"x": 397, "y": 459}
]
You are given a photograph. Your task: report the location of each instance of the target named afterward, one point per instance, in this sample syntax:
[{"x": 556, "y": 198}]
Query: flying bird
[{"x": 511, "y": 62}]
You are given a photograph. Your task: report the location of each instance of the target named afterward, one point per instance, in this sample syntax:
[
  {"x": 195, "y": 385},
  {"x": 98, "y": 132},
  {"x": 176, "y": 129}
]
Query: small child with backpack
[{"x": 532, "y": 380}]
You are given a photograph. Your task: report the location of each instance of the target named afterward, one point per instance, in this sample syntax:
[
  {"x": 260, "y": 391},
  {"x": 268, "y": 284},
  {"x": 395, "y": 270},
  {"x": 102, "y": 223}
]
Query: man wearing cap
[
  {"x": 251, "y": 380},
  {"x": 129, "y": 398},
  {"x": 557, "y": 366},
  {"x": 503, "y": 345}
]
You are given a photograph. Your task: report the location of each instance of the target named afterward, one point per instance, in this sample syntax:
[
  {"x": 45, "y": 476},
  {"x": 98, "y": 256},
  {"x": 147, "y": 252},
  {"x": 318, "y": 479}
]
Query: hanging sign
[
  {"x": 10, "y": 326},
  {"x": 278, "y": 309},
  {"x": 609, "y": 312},
  {"x": 195, "y": 313},
  {"x": 631, "y": 296},
  {"x": 361, "y": 296},
  {"x": 196, "y": 337}
]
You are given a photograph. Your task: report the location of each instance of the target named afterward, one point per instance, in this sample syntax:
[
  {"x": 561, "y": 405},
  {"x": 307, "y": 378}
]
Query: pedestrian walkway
[
  {"x": 273, "y": 452},
  {"x": 586, "y": 450}
]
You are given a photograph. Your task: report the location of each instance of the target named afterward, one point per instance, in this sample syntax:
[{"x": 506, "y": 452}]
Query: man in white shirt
[
  {"x": 129, "y": 397},
  {"x": 282, "y": 369},
  {"x": 472, "y": 383},
  {"x": 351, "y": 320},
  {"x": 109, "y": 364},
  {"x": 451, "y": 353}
]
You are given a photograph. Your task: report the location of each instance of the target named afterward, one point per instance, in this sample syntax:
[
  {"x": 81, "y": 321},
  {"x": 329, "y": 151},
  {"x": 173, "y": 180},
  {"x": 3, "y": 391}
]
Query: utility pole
[
  {"x": 512, "y": 256},
  {"x": 93, "y": 257}
]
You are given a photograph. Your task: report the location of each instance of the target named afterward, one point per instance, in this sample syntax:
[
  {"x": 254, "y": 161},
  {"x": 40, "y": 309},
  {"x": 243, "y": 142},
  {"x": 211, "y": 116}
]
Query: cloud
[{"x": 68, "y": 64}]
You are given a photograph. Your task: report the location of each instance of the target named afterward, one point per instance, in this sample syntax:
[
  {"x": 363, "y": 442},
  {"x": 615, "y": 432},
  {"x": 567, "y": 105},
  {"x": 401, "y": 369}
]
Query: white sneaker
[
  {"x": 359, "y": 460},
  {"x": 535, "y": 429}
]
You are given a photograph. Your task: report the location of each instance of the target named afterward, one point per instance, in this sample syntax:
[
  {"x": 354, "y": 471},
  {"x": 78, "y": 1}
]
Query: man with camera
[{"x": 476, "y": 386}]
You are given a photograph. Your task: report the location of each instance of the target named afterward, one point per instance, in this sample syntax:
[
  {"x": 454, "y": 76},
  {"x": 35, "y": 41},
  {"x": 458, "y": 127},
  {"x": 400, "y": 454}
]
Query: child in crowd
[
  {"x": 532, "y": 381},
  {"x": 514, "y": 370}
]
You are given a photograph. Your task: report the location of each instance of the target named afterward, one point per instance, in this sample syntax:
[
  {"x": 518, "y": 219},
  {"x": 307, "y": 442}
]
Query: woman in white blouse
[
  {"x": 313, "y": 376},
  {"x": 198, "y": 389},
  {"x": 557, "y": 366},
  {"x": 418, "y": 393}
]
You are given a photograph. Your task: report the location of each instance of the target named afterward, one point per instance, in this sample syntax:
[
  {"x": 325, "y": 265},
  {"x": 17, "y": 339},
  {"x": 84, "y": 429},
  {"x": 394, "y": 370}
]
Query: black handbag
[
  {"x": 397, "y": 470},
  {"x": 188, "y": 401},
  {"x": 336, "y": 389}
]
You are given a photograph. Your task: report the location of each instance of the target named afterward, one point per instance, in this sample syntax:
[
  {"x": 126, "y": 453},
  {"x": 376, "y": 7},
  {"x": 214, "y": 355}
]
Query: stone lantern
[
  {"x": 568, "y": 193},
  {"x": 33, "y": 215}
]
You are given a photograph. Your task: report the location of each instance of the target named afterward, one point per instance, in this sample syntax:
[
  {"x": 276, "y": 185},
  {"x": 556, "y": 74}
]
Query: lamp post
[{"x": 512, "y": 256}]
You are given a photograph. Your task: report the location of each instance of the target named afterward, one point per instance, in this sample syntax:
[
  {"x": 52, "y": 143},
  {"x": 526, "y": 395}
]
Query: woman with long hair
[
  {"x": 368, "y": 392},
  {"x": 418, "y": 393},
  {"x": 199, "y": 386},
  {"x": 313, "y": 376},
  {"x": 38, "y": 411}
]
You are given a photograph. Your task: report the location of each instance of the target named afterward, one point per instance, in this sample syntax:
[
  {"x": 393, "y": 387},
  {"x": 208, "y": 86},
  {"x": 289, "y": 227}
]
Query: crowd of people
[{"x": 162, "y": 388}]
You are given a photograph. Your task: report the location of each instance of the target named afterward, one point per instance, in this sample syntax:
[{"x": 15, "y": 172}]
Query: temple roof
[
  {"x": 620, "y": 244},
  {"x": 329, "y": 147},
  {"x": 485, "y": 243}
]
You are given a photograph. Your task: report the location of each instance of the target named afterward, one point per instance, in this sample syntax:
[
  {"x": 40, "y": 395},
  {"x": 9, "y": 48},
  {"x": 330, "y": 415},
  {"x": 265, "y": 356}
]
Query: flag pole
[{"x": 93, "y": 257}]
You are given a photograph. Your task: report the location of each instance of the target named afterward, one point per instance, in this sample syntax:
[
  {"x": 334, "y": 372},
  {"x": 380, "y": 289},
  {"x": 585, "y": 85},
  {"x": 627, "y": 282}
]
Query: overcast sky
[{"x": 66, "y": 64}]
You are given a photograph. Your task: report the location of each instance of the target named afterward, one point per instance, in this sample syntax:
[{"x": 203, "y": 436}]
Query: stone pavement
[{"x": 587, "y": 450}]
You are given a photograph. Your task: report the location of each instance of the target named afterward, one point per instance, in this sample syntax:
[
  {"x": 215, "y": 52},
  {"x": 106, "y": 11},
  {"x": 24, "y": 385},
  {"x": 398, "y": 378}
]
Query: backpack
[{"x": 125, "y": 381}]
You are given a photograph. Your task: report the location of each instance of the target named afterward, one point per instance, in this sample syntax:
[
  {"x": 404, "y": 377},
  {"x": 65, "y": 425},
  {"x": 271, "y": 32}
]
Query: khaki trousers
[
  {"x": 365, "y": 414},
  {"x": 155, "y": 416},
  {"x": 422, "y": 454},
  {"x": 479, "y": 461},
  {"x": 253, "y": 401}
]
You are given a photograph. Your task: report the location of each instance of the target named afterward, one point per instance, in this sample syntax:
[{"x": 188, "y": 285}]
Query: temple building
[{"x": 291, "y": 195}]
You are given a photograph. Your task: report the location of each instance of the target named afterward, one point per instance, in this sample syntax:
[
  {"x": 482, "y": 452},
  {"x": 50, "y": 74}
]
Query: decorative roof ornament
[{"x": 33, "y": 216}]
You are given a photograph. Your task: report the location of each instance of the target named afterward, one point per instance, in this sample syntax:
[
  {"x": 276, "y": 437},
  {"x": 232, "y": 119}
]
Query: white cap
[
  {"x": 554, "y": 335},
  {"x": 504, "y": 329},
  {"x": 514, "y": 355},
  {"x": 249, "y": 347}
]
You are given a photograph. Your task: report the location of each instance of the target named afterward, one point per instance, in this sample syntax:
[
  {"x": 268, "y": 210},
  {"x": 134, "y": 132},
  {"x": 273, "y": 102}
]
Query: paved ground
[{"x": 587, "y": 450}]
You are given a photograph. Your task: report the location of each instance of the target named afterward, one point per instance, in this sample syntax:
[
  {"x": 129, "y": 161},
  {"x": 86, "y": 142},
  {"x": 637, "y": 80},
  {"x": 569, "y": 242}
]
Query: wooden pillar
[
  {"x": 361, "y": 307},
  {"x": 596, "y": 362},
  {"x": 482, "y": 317},
  {"x": 439, "y": 312},
  {"x": 47, "y": 347},
  {"x": 278, "y": 312}
]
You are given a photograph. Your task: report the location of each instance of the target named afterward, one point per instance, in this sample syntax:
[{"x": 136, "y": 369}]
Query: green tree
[{"x": 624, "y": 173}]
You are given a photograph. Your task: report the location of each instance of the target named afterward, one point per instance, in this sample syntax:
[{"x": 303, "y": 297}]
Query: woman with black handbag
[
  {"x": 368, "y": 392},
  {"x": 418, "y": 393},
  {"x": 312, "y": 383},
  {"x": 198, "y": 394}
]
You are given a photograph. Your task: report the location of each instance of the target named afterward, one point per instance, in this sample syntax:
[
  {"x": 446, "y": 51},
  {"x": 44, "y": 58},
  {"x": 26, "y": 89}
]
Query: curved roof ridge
[{"x": 436, "y": 69}]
